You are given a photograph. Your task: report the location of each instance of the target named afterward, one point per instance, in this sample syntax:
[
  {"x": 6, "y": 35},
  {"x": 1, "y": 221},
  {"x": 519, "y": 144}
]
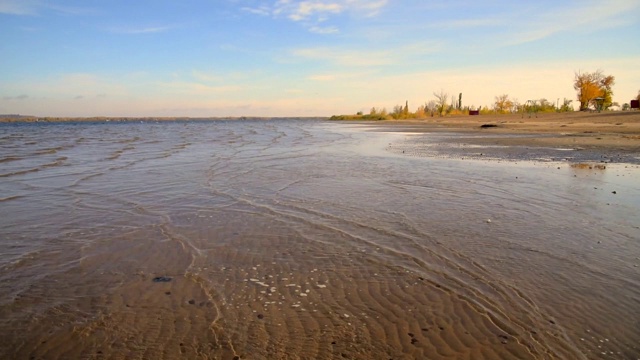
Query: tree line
[{"x": 593, "y": 90}]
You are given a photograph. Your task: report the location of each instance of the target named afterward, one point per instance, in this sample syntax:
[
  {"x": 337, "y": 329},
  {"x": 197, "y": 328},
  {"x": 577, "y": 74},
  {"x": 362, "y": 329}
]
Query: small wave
[
  {"x": 13, "y": 197},
  {"x": 49, "y": 151},
  {"x": 59, "y": 161},
  {"x": 10, "y": 158},
  {"x": 21, "y": 172}
]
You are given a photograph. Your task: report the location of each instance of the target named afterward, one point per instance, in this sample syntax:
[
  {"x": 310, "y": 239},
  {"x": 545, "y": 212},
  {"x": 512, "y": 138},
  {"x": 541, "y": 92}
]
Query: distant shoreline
[{"x": 53, "y": 119}]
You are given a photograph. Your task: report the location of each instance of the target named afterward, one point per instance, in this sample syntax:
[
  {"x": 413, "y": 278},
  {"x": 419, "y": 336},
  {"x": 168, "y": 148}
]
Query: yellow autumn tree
[
  {"x": 593, "y": 85},
  {"x": 503, "y": 104}
]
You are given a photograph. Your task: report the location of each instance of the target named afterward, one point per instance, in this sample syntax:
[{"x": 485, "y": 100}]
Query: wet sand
[
  {"x": 307, "y": 240},
  {"x": 607, "y": 136}
]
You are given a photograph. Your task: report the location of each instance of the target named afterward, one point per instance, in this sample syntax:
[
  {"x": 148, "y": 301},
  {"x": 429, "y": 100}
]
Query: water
[{"x": 306, "y": 239}]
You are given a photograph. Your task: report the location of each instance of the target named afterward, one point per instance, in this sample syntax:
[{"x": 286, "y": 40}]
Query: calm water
[{"x": 306, "y": 239}]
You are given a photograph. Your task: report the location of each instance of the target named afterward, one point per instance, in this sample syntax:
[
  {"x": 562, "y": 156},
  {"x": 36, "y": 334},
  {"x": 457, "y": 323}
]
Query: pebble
[{"x": 161, "y": 279}]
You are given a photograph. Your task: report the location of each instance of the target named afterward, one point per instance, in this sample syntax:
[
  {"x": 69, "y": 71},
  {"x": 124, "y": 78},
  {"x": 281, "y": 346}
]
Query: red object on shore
[
  {"x": 635, "y": 104},
  {"x": 474, "y": 112}
]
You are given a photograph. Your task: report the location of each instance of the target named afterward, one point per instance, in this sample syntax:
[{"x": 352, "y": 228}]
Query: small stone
[
  {"x": 192, "y": 301},
  {"x": 489, "y": 221},
  {"x": 161, "y": 279},
  {"x": 613, "y": 192},
  {"x": 260, "y": 316}
]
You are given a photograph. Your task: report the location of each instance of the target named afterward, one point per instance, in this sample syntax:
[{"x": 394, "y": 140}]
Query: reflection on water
[{"x": 305, "y": 239}]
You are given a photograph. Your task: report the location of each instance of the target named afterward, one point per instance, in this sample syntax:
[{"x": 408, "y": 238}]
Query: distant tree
[
  {"x": 405, "y": 111},
  {"x": 566, "y": 105},
  {"x": 397, "y": 112},
  {"x": 460, "y": 101},
  {"x": 502, "y": 104},
  {"x": 373, "y": 111},
  {"x": 431, "y": 107},
  {"x": 441, "y": 101},
  {"x": 420, "y": 112},
  {"x": 626, "y": 107},
  {"x": 593, "y": 85},
  {"x": 545, "y": 105}
]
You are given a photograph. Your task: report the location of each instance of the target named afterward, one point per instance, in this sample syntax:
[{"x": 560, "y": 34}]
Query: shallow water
[{"x": 288, "y": 239}]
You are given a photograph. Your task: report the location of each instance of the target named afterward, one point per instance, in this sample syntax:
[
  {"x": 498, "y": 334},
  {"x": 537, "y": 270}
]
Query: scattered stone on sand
[
  {"x": 161, "y": 279},
  {"x": 260, "y": 316},
  {"x": 192, "y": 301}
]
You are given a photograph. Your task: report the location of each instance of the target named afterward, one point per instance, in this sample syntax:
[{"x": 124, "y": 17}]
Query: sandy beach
[{"x": 607, "y": 131}]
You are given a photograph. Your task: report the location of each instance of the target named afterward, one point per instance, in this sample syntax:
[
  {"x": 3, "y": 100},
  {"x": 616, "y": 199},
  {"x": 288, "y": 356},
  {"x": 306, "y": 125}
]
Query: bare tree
[
  {"x": 430, "y": 107},
  {"x": 441, "y": 101}
]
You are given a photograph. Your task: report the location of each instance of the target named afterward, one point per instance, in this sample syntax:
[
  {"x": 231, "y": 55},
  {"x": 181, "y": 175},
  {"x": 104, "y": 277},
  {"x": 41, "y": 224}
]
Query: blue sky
[{"x": 303, "y": 58}]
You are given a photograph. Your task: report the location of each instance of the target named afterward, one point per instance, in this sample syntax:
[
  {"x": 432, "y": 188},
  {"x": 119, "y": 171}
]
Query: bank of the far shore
[{"x": 606, "y": 131}]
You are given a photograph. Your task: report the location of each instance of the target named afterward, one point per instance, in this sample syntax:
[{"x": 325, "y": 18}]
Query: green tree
[{"x": 566, "y": 105}]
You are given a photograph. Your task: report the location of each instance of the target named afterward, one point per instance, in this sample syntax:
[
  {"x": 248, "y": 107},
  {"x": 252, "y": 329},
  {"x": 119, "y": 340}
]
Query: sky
[{"x": 205, "y": 58}]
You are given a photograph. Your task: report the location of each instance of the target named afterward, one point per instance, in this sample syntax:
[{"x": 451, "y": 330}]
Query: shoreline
[{"x": 572, "y": 137}]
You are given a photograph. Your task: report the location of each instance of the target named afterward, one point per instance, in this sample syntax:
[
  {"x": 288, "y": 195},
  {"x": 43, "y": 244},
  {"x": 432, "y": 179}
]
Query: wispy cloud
[
  {"x": 36, "y": 7},
  {"x": 324, "y": 30},
  {"x": 341, "y": 57},
  {"x": 19, "y": 97},
  {"x": 140, "y": 30},
  {"x": 19, "y": 7},
  {"x": 588, "y": 17},
  {"x": 312, "y": 13}
]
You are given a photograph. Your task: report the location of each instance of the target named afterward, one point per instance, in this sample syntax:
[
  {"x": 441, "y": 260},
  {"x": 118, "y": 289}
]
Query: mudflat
[
  {"x": 299, "y": 239},
  {"x": 586, "y": 129}
]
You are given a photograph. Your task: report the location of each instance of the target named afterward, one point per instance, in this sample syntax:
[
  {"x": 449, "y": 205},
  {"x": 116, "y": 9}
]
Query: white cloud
[{"x": 311, "y": 13}]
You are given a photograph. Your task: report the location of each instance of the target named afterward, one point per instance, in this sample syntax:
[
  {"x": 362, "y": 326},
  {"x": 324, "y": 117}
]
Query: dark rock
[
  {"x": 484, "y": 126},
  {"x": 192, "y": 301},
  {"x": 260, "y": 316},
  {"x": 161, "y": 279}
]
